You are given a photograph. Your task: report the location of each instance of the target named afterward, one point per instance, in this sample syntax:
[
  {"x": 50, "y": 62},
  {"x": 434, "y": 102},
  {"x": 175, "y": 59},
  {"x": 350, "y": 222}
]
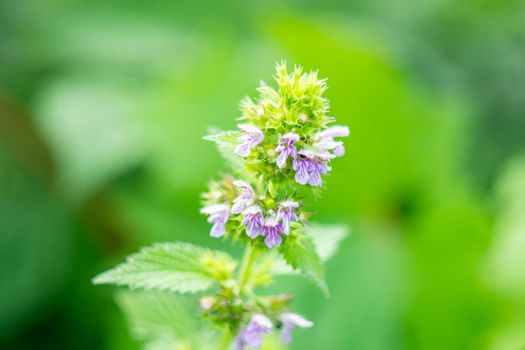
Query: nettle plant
[{"x": 277, "y": 159}]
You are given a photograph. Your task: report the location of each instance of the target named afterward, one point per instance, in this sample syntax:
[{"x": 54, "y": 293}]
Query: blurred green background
[{"x": 103, "y": 105}]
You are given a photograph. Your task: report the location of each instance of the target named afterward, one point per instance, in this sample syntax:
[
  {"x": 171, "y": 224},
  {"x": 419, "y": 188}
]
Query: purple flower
[
  {"x": 309, "y": 166},
  {"x": 252, "y": 334},
  {"x": 289, "y": 321},
  {"x": 324, "y": 140},
  {"x": 245, "y": 199},
  {"x": 218, "y": 216},
  {"x": 254, "y": 221},
  {"x": 286, "y": 214},
  {"x": 251, "y": 138},
  {"x": 272, "y": 231},
  {"x": 333, "y": 131},
  {"x": 286, "y": 148}
]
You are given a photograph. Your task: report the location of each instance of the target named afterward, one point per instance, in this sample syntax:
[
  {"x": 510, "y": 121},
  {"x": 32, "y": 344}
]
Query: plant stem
[
  {"x": 242, "y": 279},
  {"x": 226, "y": 341},
  {"x": 246, "y": 266}
]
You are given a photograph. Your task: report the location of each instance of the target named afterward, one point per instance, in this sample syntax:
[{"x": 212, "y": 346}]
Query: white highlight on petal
[
  {"x": 289, "y": 204},
  {"x": 214, "y": 208},
  {"x": 333, "y": 131},
  {"x": 296, "y": 320},
  {"x": 262, "y": 320}
]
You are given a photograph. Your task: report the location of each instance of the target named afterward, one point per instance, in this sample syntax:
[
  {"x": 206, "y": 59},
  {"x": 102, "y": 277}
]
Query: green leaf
[
  {"x": 162, "y": 320},
  {"x": 179, "y": 267},
  {"x": 300, "y": 253},
  {"x": 307, "y": 251},
  {"x": 327, "y": 238},
  {"x": 226, "y": 142},
  {"x": 157, "y": 315}
]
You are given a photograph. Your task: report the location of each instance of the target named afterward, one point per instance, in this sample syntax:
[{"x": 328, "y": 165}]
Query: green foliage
[
  {"x": 504, "y": 273},
  {"x": 506, "y": 259},
  {"x": 179, "y": 267},
  {"x": 312, "y": 246},
  {"x": 162, "y": 320},
  {"x": 326, "y": 239},
  {"x": 302, "y": 255},
  {"x": 226, "y": 142},
  {"x": 34, "y": 226}
]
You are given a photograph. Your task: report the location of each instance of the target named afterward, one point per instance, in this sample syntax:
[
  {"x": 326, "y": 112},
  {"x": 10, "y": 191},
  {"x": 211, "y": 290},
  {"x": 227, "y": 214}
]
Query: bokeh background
[{"x": 103, "y": 105}]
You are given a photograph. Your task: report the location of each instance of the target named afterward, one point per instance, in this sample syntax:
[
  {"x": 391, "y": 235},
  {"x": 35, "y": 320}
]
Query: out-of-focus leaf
[
  {"x": 507, "y": 258},
  {"x": 300, "y": 253},
  {"x": 36, "y": 247},
  {"x": 179, "y": 267},
  {"x": 326, "y": 239},
  {"x": 164, "y": 321},
  {"x": 94, "y": 131},
  {"x": 504, "y": 270},
  {"x": 226, "y": 142}
]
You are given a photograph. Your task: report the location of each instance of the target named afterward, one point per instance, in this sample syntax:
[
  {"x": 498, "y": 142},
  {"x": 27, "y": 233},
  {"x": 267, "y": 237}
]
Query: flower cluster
[
  {"x": 311, "y": 162},
  {"x": 270, "y": 224},
  {"x": 284, "y": 146},
  {"x": 283, "y": 150},
  {"x": 285, "y": 142}
]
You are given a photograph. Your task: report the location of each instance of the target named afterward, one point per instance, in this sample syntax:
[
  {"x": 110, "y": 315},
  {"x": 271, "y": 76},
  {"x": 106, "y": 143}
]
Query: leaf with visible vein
[
  {"x": 226, "y": 142},
  {"x": 179, "y": 267},
  {"x": 311, "y": 247},
  {"x": 162, "y": 320},
  {"x": 301, "y": 255}
]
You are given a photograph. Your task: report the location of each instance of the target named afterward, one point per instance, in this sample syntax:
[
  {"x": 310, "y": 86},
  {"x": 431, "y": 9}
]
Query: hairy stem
[
  {"x": 226, "y": 341},
  {"x": 246, "y": 267},
  {"x": 242, "y": 279}
]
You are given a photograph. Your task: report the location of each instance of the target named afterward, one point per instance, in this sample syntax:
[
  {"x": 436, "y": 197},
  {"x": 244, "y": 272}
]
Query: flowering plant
[{"x": 282, "y": 151}]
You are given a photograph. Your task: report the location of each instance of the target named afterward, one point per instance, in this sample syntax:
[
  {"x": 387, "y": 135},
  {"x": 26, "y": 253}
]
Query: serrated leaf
[
  {"x": 326, "y": 239},
  {"x": 157, "y": 315},
  {"x": 162, "y": 320},
  {"x": 179, "y": 267},
  {"x": 300, "y": 253},
  {"x": 226, "y": 142}
]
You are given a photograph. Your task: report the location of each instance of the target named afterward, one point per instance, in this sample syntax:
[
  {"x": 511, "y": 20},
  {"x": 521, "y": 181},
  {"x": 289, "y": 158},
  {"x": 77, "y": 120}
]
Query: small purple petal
[
  {"x": 252, "y": 137},
  {"x": 333, "y": 131},
  {"x": 324, "y": 140},
  {"x": 286, "y": 214},
  {"x": 272, "y": 231},
  {"x": 296, "y": 320},
  {"x": 315, "y": 179},
  {"x": 289, "y": 321},
  {"x": 273, "y": 240},
  {"x": 245, "y": 199},
  {"x": 254, "y": 221},
  {"x": 218, "y": 216},
  {"x": 238, "y": 343},
  {"x": 339, "y": 150},
  {"x": 262, "y": 321},
  {"x": 218, "y": 229},
  {"x": 286, "y": 333},
  {"x": 281, "y": 160},
  {"x": 243, "y": 150},
  {"x": 249, "y": 129},
  {"x": 309, "y": 166},
  {"x": 252, "y": 334},
  {"x": 301, "y": 168},
  {"x": 286, "y": 149}
]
